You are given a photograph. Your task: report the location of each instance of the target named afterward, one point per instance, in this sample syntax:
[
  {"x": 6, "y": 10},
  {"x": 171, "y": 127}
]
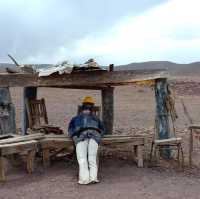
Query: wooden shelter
[
  {"x": 96, "y": 80},
  {"x": 105, "y": 81}
]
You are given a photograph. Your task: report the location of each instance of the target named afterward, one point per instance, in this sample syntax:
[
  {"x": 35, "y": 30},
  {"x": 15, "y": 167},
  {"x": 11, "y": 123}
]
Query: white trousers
[{"x": 86, "y": 152}]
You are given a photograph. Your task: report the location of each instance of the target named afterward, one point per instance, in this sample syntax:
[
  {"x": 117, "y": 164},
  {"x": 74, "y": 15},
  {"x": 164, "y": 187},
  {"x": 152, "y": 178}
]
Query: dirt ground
[{"x": 120, "y": 178}]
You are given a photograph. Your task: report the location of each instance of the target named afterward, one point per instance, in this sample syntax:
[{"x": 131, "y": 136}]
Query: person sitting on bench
[{"x": 86, "y": 130}]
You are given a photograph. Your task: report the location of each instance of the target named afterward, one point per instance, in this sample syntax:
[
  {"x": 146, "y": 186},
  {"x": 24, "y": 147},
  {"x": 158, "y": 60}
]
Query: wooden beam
[
  {"x": 7, "y": 112},
  {"x": 162, "y": 116},
  {"x": 49, "y": 141},
  {"x": 100, "y": 78},
  {"x": 28, "y": 93},
  {"x": 108, "y": 108},
  {"x": 80, "y": 87},
  {"x": 18, "y": 80},
  {"x": 35, "y": 136}
]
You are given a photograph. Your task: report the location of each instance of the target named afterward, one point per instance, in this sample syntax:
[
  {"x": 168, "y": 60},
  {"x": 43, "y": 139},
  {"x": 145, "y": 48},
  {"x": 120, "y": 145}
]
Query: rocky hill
[{"x": 174, "y": 68}]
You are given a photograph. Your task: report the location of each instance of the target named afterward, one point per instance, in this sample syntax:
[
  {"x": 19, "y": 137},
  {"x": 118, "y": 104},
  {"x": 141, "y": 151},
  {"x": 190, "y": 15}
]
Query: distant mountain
[{"x": 174, "y": 68}]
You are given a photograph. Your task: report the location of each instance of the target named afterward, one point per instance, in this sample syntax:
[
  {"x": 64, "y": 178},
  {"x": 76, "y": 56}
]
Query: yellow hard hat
[{"x": 88, "y": 99}]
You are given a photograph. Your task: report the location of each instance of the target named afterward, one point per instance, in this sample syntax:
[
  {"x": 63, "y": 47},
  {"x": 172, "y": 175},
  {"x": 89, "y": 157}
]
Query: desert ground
[{"x": 120, "y": 178}]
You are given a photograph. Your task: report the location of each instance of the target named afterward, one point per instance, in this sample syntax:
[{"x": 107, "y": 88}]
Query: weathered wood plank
[
  {"x": 25, "y": 138},
  {"x": 81, "y": 79},
  {"x": 194, "y": 126},
  {"x": 52, "y": 141},
  {"x": 18, "y": 80},
  {"x": 81, "y": 87},
  {"x": 18, "y": 147},
  {"x": 101, "y": 78},
  {"x": 105, "y": 136},
  {"x": 5, "y": 136},
  {"x": 168, "y": 141}
]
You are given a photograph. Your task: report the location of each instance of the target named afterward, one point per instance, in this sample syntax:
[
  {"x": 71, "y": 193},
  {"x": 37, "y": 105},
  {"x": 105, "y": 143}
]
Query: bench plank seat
[
  {"x": 168, "y": 141},
  {"x": 62, "y": 141}
]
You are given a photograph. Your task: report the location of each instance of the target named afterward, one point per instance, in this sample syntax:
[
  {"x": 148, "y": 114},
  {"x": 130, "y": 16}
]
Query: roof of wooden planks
[{"x": 93, "y": 79}]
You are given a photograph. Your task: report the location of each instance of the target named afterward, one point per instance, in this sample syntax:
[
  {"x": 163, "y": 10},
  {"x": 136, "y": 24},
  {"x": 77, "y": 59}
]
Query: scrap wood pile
[
  {"x": 64, "y": 67},
  {"x": 46, "y": 129},
  {"x": 90, "y": 65}
]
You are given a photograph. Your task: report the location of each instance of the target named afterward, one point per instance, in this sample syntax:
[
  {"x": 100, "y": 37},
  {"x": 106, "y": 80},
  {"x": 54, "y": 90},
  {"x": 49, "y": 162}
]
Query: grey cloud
[{"x": 39, "y": 28}]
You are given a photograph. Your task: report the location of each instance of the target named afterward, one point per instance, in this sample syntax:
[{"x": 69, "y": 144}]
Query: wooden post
[
  {"x": 162, "y": 117},
  {"x": 108, "y": 108},
  {"x": 29, "y": 93},
  {"x": 7, "y": 112}
]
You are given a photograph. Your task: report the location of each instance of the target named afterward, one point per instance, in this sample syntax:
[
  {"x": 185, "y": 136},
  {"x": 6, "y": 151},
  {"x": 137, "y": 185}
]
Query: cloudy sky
[{"x": 111, "y": 31}]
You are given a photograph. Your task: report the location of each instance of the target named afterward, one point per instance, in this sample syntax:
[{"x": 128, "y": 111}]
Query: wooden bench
[
  {"x": 194, "y": 130},
  {"x": 37, "y": 115},
  {"x": 27, "y": 147},
  {"x": 61, "y": 141}
]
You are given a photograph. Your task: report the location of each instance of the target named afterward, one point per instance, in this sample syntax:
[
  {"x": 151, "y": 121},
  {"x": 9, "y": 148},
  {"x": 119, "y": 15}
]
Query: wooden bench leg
[
  {"x": 30, "y": 161},
  {"x": 151, "y": 153},
  {"x": 140, "y": 162},
  {"x": 46, "y": 157},
  {"x": 2, "y": 170}
]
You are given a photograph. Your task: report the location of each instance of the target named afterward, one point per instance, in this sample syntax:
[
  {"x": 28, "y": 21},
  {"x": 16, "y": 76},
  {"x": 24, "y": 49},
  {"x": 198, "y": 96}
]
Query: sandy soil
[
  {"x": 119, "y": 179},
  {"x": 134, "y": 113}
]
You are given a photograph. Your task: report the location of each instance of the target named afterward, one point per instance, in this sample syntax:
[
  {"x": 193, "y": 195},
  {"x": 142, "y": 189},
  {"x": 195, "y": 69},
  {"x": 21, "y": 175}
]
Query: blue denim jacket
[{"x": 84, "y": 121}]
